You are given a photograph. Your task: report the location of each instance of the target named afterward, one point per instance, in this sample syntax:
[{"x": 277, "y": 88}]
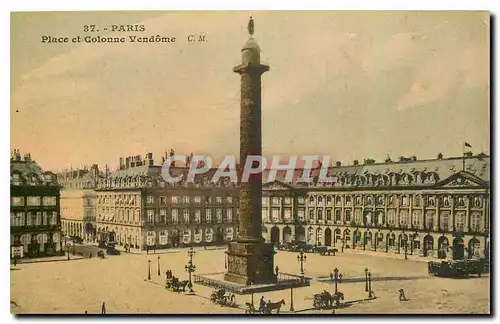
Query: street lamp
[
  {"x": 370, "y": 287},
  {"x": 159, "y": 265},
  {"x": 336, "y": 271},
  {"x": 366, "y": 279},
  {"x": 301, "y": 258},
  {"x": 149, "y": 269},
  {"x": 291, "y": 300},
  {"x": 190, "y": 268}
]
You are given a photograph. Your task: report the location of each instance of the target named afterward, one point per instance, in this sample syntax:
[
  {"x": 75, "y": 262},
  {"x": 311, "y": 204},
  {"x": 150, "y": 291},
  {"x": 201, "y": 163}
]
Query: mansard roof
[{"x": 30, "y": 173}]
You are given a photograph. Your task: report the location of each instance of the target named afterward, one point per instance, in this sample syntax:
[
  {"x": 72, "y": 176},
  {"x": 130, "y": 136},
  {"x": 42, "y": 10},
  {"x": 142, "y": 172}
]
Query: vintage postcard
[{"x": 234, "y": 162}]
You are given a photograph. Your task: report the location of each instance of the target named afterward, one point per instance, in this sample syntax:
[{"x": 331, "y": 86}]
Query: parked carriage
[
  {"x": 220, "y": 297},
  {"x": 326, "y": 300},
  {"x": 458, "y": 268}
]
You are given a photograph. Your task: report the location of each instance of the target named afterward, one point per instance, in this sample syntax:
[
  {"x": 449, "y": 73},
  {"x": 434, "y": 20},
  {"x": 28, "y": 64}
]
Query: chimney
[
  {"x": 440, "y": 156},
  {"x": 356, "y": 162},
  {"x": 121, "y": 165},
  {"x": 338, "y": 163},
  {"x": 369, "y": 161},
  {"x": 149, "y": 159},
  {"x": 127, "y": 162}
]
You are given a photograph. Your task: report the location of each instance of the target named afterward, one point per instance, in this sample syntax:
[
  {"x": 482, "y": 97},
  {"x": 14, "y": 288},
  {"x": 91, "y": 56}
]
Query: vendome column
[{"x": 250, "y": 259}]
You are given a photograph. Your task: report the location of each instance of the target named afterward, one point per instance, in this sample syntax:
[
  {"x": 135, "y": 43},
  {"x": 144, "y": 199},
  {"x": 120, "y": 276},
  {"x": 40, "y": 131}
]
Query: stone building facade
[
  {"x": 437, "y": 208},
  {"x": 78, "y": 201},
  {"x": 137, "y": 208},
  {"x": 35, "y": 221}
]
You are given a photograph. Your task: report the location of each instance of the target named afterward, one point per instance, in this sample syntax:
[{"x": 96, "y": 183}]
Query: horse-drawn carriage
[
  {"x": 220, "y": 297},
  {"x": 100, "y": 254},
  {"x": 326, "y": 300},
  {"x": 174, "y": 283},
  {"x": 265, "y": 307}
]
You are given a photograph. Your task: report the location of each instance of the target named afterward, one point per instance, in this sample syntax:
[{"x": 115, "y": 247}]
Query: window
[
  {"x": 218, "y": 212},
  {"x": 431, "y": 201},
  {"x": 338, "y": 215},
  {"x": 328, "y": 199},
  {"x": 320, "y": 213},
  {"x": 460, "y": 221},
  {"x": 369, "y": 200},
  {"x": 163, "y": 200},
  {"x": 197, "y": 199},
  {"x": 288, "y": 200},
  {"x": 208, "y": 200},
  {"x": 348, "y": 201},
  {"x": 218, "y": 200},
  {"x": 265, "y": 200},
  {"x": 311, "y": 200},
  {"x": 287, "y": 214},
  {"x": 163, "y": 215},
  {"x": 477, "y": 202},
  {"x": 475, "y": 222},
  {"x": 358, "y": 201},
  {"x": 405, "y": 200},
  {"x": 150, "y": 238},
  {"x": 461, "y": 202},
  {"x": 403, "y": 220},
  {"x": 33, "y": 201},
  {"x": 276, "y": 201},
  {"x": 229, "y": 199},
  {"x": 17, "y": 219},
  {"x": 265, "y": 215},
  {"x": 197, "y": 216},
  {"x": 416, "y": 218},
  {"x": 208, "y": 215},
  {"x": 301, "y": 200},
  {"x": 175, "y": 200},
  {"x": 186, "y": 216},
  {"x": 275, "y": 215},
  {"x": 358, "y": 217},
  {"x": 311, "y": 213},
  {"x": 328, "y": 214},
  {"x": 445, "y": 220},
  {"x": 150, "y": 199},
  {"x": 49, "y": 201},
  {"x": 347, "y": 215},
  {"x": 416, "y": 201},
  {"x": 17, "y": 201},
  {"x": 31, "y": 219},
  {"x": 185, "y": 199},
  {"x": 429, "y": 219},
  {"x": 175, "y": 216},
  {"x": 151, "y": 216},
  {"x": 229, "y": 215},
  {"x": 320, "y": 200},
  {"x": 163, "y": 237},
  {"x": 301, "y": 214},
  {"x": 380, "y": 200},
  {"x": 391, "y": 217}
]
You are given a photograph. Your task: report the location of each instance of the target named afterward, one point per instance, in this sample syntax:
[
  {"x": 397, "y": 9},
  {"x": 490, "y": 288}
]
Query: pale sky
[{"x": 352, "y": 85}]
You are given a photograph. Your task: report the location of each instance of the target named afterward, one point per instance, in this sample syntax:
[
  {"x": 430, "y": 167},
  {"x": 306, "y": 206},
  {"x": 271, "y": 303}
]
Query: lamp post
[
  {"x": 159, "y": 273},
  {"x": 190, "y": 268},
  {"x": 366, "y": 279},
  {"x": 406, "y": 249},
  {"x": 149, "y": 269},
  {"x": 291, "y": 300},
  {"x": 336, "y": 272},
  {"x": 370, "y": 295},
  {"x": 301, "y": 258}
]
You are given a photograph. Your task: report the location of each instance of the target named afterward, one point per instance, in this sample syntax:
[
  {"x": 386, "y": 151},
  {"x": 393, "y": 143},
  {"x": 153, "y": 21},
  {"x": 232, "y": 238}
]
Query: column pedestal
[{"x": 250, "y": 263}]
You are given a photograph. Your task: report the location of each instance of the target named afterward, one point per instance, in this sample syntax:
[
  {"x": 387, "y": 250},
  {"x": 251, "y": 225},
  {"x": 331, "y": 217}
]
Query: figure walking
[
  {"x": 103, "y": 308},
  {"x": 402, "y": 296}
]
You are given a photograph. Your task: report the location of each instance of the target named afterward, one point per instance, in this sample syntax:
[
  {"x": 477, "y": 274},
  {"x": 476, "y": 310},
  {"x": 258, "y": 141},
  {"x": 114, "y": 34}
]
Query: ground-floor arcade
[{"x": 426, "y": 244}]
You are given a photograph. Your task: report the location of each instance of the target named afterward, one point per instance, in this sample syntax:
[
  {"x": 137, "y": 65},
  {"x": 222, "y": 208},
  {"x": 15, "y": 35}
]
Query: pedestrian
[
  {"x": 85, "y": 312},
  {"x": 15, "y": 263},
  {"x": 402, "y": 296},
  {"x": 103, "y": 308},
  {"x": 147, "y": 249},
  {"x": 340, "y": 278}
]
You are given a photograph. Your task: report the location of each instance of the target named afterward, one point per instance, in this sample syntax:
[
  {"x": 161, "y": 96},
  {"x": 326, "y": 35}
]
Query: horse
[
  {"x": 270, "y": 306},
  {"x": 336, "y": 298}
]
